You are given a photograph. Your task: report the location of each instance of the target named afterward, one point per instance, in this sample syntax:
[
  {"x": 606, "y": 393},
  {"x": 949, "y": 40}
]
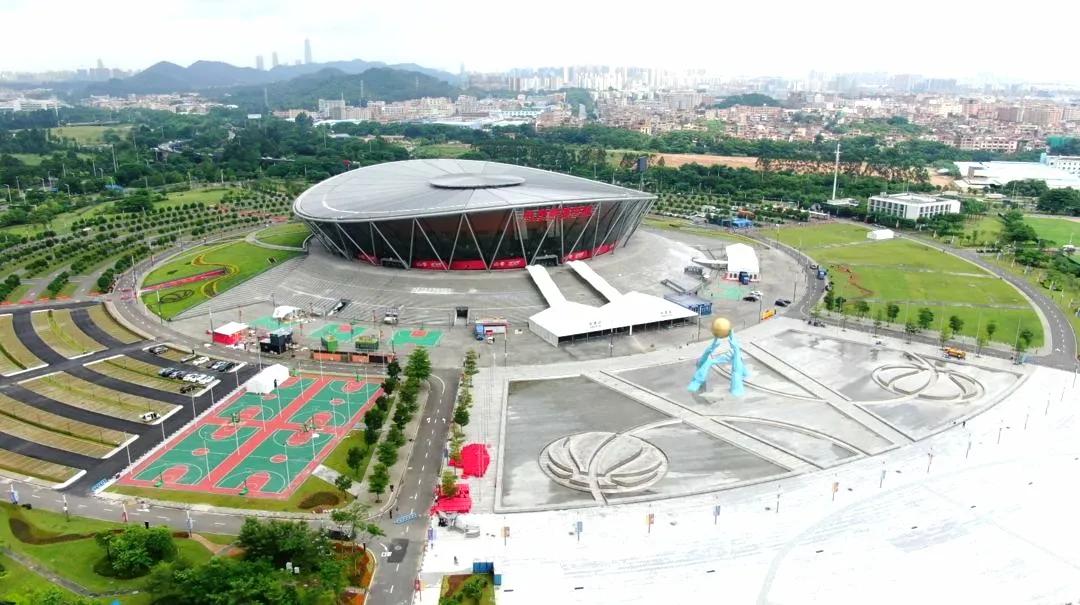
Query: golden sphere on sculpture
[{"x": 721, "y": 327}]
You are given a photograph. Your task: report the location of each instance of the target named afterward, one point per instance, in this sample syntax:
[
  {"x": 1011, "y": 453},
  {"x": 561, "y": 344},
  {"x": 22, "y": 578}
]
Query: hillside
[
  {"x": 376, "y": 84},
  {"x": 165, "y": 77}
]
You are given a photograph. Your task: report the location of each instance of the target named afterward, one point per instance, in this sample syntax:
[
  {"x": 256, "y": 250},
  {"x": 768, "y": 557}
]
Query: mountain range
[
  {"x": 374, "y": 84},
  {"x": 166, "y": 77}
]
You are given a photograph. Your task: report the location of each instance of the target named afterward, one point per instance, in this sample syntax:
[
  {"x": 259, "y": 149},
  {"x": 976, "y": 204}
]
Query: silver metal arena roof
[{"x": 415, "y": 188}]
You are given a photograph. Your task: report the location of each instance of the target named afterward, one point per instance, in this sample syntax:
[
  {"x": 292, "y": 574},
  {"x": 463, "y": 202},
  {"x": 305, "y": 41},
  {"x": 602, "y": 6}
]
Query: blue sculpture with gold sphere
[{"x": 721, "y": 329}]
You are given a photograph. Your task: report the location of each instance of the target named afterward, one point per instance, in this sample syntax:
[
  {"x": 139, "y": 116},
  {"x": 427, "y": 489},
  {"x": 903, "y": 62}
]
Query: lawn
[
  {"x": 59, "y": 332},
  {"x": 74, "y": 559},
  {"x": 685, "y": 226},
  {"x": 442, "y": 150},
  {"x": 16, "y": 463},
  {"x": 14, "y": 356},
  {"x": 19, "y": 581},
  {"x": 202, "y": 196},
  {"x": 240, "y": 260},
  {"x": 1061, "y": 231},
  {"x": 89, "y": 135},
  {"x": 104, "y": 320},
  {"x": 337, "y": 458},
  {"x": 30, "y": 159},
  {"x": 285, "y": 234},
  {"x": 816, "y": 236},
  {"x": 310, "y": 487},
  {"x": 913, "y": 276},
  {"x": 34, "y": 433},
  {"x": 1067, "y": 299},
  {"x": 18, "y": 293},
  {"x": 29, "y": 414},
  {"x": 69, "y": 389}
]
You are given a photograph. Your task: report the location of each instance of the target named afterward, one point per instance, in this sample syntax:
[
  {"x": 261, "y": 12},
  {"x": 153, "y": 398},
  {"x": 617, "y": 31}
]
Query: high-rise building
[
  {"x": 259, "y": 63},
  {"x": 307, "y": 50},
  {"x": 273, "y": 59}
]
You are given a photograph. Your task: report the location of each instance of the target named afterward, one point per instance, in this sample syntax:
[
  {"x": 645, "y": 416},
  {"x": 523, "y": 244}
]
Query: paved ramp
[
  {"x": 548, "y": 289},
  {"x": 593, "y": 278}
]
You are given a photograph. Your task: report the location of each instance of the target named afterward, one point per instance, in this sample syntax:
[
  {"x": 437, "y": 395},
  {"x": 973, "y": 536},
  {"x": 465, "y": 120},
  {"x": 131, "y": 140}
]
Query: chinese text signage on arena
[{"x": 549, "y": 214}]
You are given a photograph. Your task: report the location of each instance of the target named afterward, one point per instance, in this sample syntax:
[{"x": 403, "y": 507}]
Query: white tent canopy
[
  {"x": 881, "y": 234},
  {"x": 284, "y": 311},
  {"x": 263, "y": 382}
]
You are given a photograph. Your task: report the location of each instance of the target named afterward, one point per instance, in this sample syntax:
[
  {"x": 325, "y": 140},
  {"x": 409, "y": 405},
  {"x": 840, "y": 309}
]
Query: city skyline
[{"x": 728, "y": 41}]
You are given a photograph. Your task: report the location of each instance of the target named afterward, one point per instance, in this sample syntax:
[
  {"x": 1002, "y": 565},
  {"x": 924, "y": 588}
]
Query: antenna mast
[{"x": 836, "y": 171}]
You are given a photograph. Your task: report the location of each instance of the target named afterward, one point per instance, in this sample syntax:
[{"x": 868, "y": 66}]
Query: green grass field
[
  {"x": 441, "y": 150},
  {"x": 89, "y": 135},
  {"x": 202, "y": 196},
  {"x": 240, "y": 260},
  {"x": 18, "y": 581},
  {"x": 1058, "y": 230},
  {"x": 337, "y": 458},
  {"x": 75, "y": 559},
  {"x": 913, "y": 276},
  {"x": 312, "y": 485},
  {"x": 285, "y": 234}
]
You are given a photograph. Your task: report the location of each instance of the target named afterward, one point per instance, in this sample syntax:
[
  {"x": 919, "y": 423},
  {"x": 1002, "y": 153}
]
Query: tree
[
  {"x": 352, "y": 520},
  {"x": 343, "y": 483},
  {"x": 839, "y": 304},
  {"x": 911, "y": 329},
  {"x": 54, "y": 595},
  {"x": 386, "y": 453},
  {"x": 393, "y": 369},
  {"x": 991, "y": 327},
  {"x": 944, "y": 335},
  {"x": 892, "y": 311},
  {"x": 473, "y": 588},
  {"x": 401, "y": 416},
  {"x": 449, "y": 483},
  {"x": 461, "y": 415},
  {"x": 354, "y": 458},
  {"x": 371, "y": 436},
  {"x": 389, "y": 385},
  {"x": 926, "y": 318},
  {"x": 378, "y": 480},
  {"x": 278, "y": 542},
  {"x": 980, "y": 342},
  {"x": 1025, "y": 338},
  {"x": 419, "y": 365},
  {"x": 830, "y": 300},
  {"x": 396, "y": 436},
  {"x": 134, "y": 551},
  {"x": 862, "y": 308},
  {"x": 955, "y": 324},
  {"x": 374, "y": 418},
  {"x": 470, "y": 366}
]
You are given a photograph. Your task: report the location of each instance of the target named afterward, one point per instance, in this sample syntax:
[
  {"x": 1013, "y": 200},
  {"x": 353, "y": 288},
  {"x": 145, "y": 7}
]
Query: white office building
[
  {"x": 912, "y": 206},
  {"x": 1068, "y": 163}
]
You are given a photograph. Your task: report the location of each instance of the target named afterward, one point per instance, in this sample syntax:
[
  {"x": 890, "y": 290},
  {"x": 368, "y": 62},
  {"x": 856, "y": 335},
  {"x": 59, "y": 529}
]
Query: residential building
[
  {"x": 912, "y": 206},
  {"x": 988, "y": 143}
]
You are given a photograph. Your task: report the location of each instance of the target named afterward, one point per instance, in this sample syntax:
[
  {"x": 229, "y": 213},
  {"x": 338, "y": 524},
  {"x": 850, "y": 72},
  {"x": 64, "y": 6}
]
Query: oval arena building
[{"x": 468, "y": 215}]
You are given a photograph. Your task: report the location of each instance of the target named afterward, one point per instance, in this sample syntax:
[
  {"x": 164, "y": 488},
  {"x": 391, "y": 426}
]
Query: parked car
[
  {"x": 756, "y": 293},
  {"x": 187, "y": 388},
  {"x": 158, "y": 349},
  {"x": 165, "y": 371},
  {"x": 198, "y": 361},
  {"x": 817, "y": 323},
  {"x": 233, "y": 366},
  {"x": 782, "y": 302},
  {"x": 217, "y": 366},
  {"x": 751, "y": 298}
]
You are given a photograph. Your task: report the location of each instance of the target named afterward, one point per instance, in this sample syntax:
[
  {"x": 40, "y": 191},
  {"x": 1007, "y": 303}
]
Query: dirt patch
[
  {"x": 320, "y": 499},
  {"x": 453, "y": 583},
  {"x": 674, "y": 160},
  {"x": 853, "y": 280},
  {"x": 28, "y": 534}
]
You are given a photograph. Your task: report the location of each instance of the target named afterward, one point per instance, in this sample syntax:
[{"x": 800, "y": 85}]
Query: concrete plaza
[{"x": 968, "y": 501}]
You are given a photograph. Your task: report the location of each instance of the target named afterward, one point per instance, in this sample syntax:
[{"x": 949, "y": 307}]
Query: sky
[{"x": 785, "y": 38}]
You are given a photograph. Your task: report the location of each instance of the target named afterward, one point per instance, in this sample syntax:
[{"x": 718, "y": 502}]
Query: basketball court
[
  {"x": 262, "y": 446},
  {"x": 339, "y": 331},
  {"x": 420, "y": 338}
]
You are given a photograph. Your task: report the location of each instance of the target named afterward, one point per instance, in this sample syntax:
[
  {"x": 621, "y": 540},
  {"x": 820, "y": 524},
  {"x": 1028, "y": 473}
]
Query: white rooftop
[
  {"x": 742, "y": 257},
  {"x": 230, "y": 328},
  {"x": 983, "y": 174},
  {"x": 912, "y": 198},
  {"x": 566, "y": 318},
  {"x": 415, "y": 188}
]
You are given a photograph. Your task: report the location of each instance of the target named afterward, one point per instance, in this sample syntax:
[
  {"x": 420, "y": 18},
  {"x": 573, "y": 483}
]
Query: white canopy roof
[
  {"x": 284, "y": 311},
  {"x": 742, "y": 257},
  {"x": 566, "y": 318},
  {"x": 230, "y": 328}
]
